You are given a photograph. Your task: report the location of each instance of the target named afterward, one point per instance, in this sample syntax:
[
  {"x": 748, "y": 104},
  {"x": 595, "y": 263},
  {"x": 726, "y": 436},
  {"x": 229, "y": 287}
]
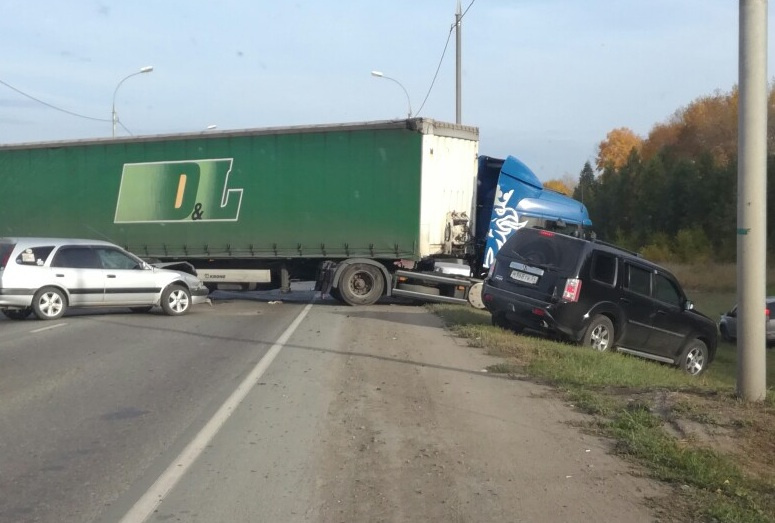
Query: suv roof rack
[{"x": 628, "y": 251}]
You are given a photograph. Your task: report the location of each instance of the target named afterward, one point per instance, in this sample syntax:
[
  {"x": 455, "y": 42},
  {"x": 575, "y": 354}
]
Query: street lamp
[
  {"x": 379, "y": 74},
  {"x": 146, "y": 69}
]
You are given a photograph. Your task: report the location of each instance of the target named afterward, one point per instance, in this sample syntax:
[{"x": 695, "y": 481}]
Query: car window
[
  {"x": 115, "y": 259},
  {"x": 604, "y": 267},
  {"x": 666, "y": 291},
  {"x": 34, "y": 255},
  {"x": 638, "y": 280},
  {"x": 544, "y": 248},
  {"x": 5, "y": 253},
  {"x": 76, "y": 257}
]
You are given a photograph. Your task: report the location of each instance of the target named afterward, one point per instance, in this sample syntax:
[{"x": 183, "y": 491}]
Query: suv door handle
[
  {"x": 624, "y": 300},
  {"x": 111, "y": 275}
]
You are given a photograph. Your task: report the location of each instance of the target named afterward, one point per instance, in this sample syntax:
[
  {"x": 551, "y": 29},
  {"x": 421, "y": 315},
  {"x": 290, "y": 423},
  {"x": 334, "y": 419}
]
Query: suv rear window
[{"x": 545, "y": 249}]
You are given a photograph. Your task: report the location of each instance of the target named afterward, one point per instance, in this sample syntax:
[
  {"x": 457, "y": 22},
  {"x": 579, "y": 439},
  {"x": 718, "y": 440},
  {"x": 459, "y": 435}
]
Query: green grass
[{"x": 623, "y": 393}]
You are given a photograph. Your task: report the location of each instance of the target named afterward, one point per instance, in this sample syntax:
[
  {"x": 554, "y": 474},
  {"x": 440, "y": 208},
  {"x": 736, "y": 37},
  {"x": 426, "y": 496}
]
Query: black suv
[{"x": 599, "y": 295}]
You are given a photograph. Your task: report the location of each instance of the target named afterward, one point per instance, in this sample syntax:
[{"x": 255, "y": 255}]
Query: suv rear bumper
[{"x": 528, "y": 312}]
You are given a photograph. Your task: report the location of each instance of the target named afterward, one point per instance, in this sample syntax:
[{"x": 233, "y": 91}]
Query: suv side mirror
[{"x": 688, "y": 305}]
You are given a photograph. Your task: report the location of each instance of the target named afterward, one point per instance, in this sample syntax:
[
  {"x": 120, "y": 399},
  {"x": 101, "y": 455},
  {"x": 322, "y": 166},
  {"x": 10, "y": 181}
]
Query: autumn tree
[
  {"x": 558, "y": 186},
  {"x": 708, "y": 125},
  {"x": 585, "y": 189},
  {"x": 614, "y": 151}
]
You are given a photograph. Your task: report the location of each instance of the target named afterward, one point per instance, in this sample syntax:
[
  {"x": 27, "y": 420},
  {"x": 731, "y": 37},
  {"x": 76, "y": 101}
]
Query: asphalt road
[
  {"x": 93, "y": 403},
  {"x": 254, "y": 410}
]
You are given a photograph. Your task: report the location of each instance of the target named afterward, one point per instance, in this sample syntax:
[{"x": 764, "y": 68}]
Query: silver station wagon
[{"x": 46, "y": 276}]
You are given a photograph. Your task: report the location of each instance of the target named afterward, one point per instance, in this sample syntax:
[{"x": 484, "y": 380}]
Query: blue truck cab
[{"x": 509, "y": 197}]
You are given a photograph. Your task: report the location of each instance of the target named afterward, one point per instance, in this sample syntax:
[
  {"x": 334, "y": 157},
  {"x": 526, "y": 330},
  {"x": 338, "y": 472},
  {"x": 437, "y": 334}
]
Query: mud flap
[{"x": 325, "y": 276}]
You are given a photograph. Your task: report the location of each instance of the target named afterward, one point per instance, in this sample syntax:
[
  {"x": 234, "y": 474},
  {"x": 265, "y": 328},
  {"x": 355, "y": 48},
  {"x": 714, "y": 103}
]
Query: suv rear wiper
[{"x": 545, "y": 266}]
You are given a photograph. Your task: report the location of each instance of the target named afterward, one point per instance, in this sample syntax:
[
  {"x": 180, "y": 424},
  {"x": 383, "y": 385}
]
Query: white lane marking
[
  {"x": 48, "y": 328},
  {"x": 169, "y": 478}
]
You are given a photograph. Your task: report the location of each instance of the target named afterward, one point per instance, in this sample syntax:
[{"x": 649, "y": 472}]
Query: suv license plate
[{"x": 525, "y": 277}]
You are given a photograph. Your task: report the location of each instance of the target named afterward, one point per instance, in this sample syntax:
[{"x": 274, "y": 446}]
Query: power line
[
  {"x": 53, "y": 106},
  {"x": 441, "y": 60}
]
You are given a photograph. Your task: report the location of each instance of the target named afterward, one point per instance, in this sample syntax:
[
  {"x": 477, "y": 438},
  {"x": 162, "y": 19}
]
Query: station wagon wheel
[
  {"x": 49, "y": 303},
  {"x": 17, "y": 314},
  {"x": 600, "y": 334},
  {"x": 361, "y": 284},
  {"x": 694, "y": 359},
  {"x": 175, "y": 300}
]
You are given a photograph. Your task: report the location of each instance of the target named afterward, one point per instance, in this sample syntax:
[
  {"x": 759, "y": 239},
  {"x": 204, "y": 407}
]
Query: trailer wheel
[{"x": 361, "y": 284}]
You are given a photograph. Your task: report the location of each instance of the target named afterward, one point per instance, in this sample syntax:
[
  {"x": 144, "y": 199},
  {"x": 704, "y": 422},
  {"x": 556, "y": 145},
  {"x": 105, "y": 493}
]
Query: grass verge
[{"x": 693, "y": 433}]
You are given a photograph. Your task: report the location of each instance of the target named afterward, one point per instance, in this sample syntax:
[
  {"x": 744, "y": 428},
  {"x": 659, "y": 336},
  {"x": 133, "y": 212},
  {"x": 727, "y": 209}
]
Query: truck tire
[{"x": 361, "y": 284}]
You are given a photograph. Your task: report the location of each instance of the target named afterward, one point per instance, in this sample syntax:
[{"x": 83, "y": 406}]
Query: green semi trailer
[{"x": 367, "y": 209}]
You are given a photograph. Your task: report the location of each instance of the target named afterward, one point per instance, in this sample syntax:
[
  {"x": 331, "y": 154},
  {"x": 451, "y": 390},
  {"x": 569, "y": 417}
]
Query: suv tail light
[
  {"x": 767, "y": 312},
  {"x": 491, "y": 270},
  {"x": 572, "y": 290}
]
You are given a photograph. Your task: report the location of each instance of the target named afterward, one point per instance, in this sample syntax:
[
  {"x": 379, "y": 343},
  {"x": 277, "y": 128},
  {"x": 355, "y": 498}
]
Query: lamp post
[
  {"x": 146, "y": 69},
  {"x": 379, "y": 74}
]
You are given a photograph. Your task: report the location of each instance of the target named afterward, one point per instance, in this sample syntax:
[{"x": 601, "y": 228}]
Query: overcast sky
[{"x": 543, "y": 80}]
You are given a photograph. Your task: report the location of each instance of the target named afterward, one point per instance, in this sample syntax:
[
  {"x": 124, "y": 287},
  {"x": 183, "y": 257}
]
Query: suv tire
[
  {"x": 599, "y": 334},
  {"x": 694, "y": 359}
]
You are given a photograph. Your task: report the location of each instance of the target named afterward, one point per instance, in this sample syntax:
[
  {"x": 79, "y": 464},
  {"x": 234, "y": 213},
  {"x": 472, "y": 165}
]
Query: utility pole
[
  {"x": 752, "y": 201},
  {"x": 458, "y": 60}
]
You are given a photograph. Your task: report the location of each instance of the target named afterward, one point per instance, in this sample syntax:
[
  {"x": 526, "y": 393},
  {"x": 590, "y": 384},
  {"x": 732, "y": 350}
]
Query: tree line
[{"x": 673, "y": 195}]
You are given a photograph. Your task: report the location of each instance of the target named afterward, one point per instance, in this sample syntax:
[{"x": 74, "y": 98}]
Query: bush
[
  {"x": 692, "y": 246},
  {"x": 657, "y": 249}
]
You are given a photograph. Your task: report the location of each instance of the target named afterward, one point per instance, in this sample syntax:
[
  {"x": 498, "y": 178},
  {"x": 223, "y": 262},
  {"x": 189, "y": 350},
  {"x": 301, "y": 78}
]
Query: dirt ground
[{"x": 419, "y": 431}]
